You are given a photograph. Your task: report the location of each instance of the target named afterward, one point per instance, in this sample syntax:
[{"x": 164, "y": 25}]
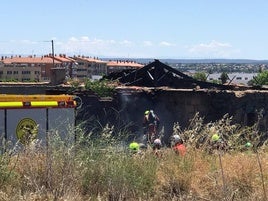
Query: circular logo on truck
[{"x": 26, "y": 130}]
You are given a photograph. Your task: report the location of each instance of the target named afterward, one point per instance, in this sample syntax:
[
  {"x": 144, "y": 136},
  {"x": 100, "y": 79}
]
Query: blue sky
[{"x": 181, "y": 29}]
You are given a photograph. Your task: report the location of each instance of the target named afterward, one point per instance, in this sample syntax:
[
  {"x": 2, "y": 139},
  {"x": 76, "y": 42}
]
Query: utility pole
[{"x": 52, "y": 43}]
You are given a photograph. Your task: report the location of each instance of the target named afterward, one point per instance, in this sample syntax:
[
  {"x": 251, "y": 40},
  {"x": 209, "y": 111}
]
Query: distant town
[{"x": 17, "y": 68}]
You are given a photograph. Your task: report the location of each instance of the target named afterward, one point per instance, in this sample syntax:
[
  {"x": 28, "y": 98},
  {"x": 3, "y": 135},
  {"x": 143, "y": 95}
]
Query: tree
[
  {"x": 201, "y": 76},
  {"x": 224, "y": 77},
  {"x": 261, "y": 79}
]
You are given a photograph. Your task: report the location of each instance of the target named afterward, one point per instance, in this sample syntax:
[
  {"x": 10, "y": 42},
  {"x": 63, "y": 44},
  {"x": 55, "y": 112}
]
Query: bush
[{"x": 102, "y": 88}]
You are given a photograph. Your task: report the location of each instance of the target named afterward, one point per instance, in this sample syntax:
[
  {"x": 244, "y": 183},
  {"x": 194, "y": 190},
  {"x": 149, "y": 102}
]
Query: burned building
[
  {"x": 158, "y": 74},
  {"x": 177, "y": 97}
]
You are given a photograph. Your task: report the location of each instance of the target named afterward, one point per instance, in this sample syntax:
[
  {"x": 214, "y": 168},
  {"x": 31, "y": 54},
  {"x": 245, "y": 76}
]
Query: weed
[{"x": 97, "y": 166}]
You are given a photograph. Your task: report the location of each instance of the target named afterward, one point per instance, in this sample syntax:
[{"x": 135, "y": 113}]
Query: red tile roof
[
  {"x": 90, "y": 59},
  {"x": 30, "y": 60},
  {"x": 64, "y": 59}
]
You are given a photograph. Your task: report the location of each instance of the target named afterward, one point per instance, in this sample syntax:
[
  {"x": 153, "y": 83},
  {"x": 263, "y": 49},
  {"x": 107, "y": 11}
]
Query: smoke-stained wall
[
  {"x": 127, "y": 107},
  {"x": 180, "y": 106}
]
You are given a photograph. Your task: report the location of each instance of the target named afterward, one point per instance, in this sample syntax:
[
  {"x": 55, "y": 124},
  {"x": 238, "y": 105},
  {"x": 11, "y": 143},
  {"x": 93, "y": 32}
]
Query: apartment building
[
  {"x": 88, "y": 67},
  {"x": 69, "y": 64},
  {"x": 33, "y": 68},
  {"x": 29, "y": 68},
  {"x": 118, "y": 65}
]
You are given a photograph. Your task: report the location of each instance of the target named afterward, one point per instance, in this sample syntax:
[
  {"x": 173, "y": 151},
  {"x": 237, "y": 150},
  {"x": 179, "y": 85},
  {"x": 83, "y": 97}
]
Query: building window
[
  {"x": 15, "y": 72},
  {"x": 45, "y": 78},
  {"x": 1, "y": 72},
  {"x": 81, "y": 70},
  {"x": 9, "y": 72},
  {"x": 26, "y": 72}
]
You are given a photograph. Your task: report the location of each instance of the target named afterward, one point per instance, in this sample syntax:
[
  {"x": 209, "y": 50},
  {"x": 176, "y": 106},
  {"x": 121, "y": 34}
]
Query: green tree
[
  {"x": 224, "y": 77},
  {"x": 201, "y": 76},
  {"x": 261, "y": 79}
]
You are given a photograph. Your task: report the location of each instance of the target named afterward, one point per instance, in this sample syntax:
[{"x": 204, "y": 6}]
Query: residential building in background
[
  {"x": 118, "y": 65},
  {"x": 1, "y": 64},
  {"x": 67, "y": 63},
  {"x": 87, "y": 67},
  {"x": 29, "y": 68},
  {"x": 39, "y": 69}
]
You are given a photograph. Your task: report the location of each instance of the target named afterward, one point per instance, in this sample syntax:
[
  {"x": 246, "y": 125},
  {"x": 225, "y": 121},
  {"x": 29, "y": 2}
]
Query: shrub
[{"x": 102, "y": 88}]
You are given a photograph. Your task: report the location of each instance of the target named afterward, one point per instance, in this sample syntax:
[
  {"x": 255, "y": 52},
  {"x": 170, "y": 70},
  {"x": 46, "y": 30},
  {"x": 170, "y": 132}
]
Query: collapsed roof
[{"x": 158, "y": 74}]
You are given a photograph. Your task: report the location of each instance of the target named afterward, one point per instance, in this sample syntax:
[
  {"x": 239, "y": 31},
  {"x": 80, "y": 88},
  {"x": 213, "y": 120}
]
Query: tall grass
[{"x": 102, "y": 168}]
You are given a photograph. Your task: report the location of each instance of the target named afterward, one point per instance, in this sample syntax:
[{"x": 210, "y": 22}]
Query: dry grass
[
  {"x": 101, "y": 169},
  {"x": 197, "y": 176}
]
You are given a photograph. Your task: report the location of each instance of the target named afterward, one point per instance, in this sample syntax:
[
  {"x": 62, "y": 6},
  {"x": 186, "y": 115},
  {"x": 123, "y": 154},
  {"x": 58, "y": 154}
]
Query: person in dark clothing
[{"x": 150, "y": 125}]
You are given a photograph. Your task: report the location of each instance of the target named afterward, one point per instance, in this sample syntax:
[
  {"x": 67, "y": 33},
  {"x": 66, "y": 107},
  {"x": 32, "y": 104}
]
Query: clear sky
[{"x": 181, "y": 29}]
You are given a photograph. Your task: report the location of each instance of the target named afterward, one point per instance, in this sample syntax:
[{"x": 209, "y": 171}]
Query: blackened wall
[
  {"x": 127, "y": 107},
  {"x": 181, "y": 106}
]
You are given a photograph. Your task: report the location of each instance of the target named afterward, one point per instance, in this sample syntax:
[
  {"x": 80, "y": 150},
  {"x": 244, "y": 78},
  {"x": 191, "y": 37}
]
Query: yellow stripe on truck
[
  {"x": 29, "y": 98},
  {"x": 44, "y": 103},
  {"x": 11, "y": 104}
]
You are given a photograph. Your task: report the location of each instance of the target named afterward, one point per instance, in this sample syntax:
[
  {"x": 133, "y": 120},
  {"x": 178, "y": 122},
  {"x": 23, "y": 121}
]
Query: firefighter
[
  {"x": 218, "y": 143},
  {"x": 179, "y": 147},
  {"x": 247, "y": 147},
  {"x": 157, "y": 144},
  {"x": 174, "y": 139},
  {"x": 134, "y": 147},
  {"x": 150, "y": 125}
]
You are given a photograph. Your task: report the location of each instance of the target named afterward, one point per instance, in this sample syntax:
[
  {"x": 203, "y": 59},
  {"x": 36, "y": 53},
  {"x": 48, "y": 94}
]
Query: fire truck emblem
[{"x": 26, "y": 130}]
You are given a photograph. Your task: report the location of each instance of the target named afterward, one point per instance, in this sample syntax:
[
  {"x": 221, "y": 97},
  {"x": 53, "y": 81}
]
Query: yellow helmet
[
  {"x": 146, "y": 112},
  {"x": 134, "y": 146},
  {"x": 215, "y": 137}
]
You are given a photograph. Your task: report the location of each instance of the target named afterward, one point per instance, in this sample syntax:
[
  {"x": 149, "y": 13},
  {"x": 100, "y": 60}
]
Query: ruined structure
[
  {"x": 174, "y": 96},
  {"x": 158, "y": 74}
]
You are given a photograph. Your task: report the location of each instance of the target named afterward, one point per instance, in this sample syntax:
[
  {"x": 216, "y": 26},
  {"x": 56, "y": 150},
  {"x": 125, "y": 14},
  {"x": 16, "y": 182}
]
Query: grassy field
[{"x": 102, "y": 169}]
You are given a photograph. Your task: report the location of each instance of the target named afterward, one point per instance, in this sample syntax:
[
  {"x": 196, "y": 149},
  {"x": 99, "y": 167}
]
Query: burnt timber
[{"x": 158, "y": 74}]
